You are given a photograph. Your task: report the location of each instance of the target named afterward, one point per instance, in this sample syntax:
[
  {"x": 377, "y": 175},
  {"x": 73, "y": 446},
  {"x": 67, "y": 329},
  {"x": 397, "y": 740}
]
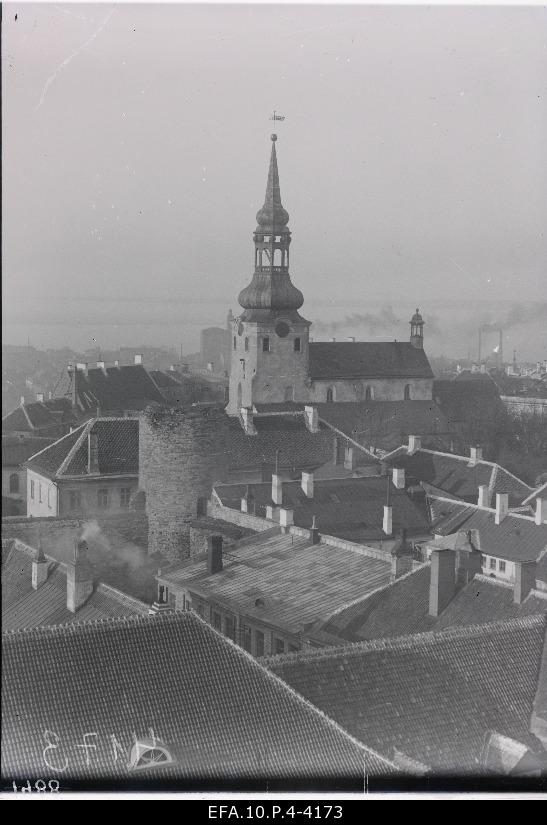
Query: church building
[{"x": 272, "y": 357}]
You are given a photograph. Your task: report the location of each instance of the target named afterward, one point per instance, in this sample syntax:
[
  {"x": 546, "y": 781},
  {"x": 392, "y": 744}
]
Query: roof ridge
[
  {"x": 76, "y": 446},
  {"x": 27, "y": 416},
  {"x": 493, "y": 479},
  {"x": 481, "y": 509},
  {"x": 410, "y": 640},
  {"x": 53, "y": 444},
  {"x": 534, "y": 493}
]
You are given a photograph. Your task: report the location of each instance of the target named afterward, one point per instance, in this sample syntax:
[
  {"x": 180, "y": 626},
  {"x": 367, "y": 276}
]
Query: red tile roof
[
  {"x": 224, "y": 719},
  {"x": 433, "y": 696},
  {"x": 369, "y": 359}
]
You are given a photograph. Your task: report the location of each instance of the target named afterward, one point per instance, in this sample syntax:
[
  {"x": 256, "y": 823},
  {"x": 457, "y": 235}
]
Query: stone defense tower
[{"x": 270, "y": 339}]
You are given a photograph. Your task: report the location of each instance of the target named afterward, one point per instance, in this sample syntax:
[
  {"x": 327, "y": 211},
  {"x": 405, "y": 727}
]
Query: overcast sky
[{"x": 412, "y": 159}]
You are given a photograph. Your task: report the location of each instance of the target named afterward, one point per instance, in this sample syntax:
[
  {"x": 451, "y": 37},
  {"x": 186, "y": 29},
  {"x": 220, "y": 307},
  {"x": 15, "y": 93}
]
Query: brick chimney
[
  {"x": 398, "y": 476},
  {"x": 484, "y": 496},
  {"x": 312, "y": 418},
  {"x": 541, "y": 511},
  {"x": 40, "y": 569},
  {"x": 138, "y": 359},
  {"x": 525, "y": 580},
  {"x": 277, "y": 489},
  {"x": 475, "y": 455},
  {"x": 414, "y": 444},
  {"x": 79, "y": 577},
  {"x": 247, "y": 420},
  {"x": 92, "y": 453},
  {"x": 387, "y": 523},
  {"x": 350, "y": 457},
  {"x": 443, "y": 580},
  {"x": 214, "y": 554},
  {"x": 502, "y": 507},
  {"x": 307, "y": 484}
]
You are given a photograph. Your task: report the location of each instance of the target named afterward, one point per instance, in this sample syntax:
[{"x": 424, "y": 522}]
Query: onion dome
[{"x": 271, "y": 291}]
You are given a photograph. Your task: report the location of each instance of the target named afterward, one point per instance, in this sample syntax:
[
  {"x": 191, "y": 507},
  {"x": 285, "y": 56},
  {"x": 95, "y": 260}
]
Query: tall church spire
[{"x": 271, "y": 289}]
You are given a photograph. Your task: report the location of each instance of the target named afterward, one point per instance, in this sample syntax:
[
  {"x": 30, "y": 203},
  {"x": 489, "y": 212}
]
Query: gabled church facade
[{"x": 272, "y": 358}]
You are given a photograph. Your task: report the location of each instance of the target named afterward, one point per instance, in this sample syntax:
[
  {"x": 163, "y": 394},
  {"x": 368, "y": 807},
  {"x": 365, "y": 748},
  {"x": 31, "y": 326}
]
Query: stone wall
[
  {"x": 181, "y": 456},
  {"x": 382, "y": 389}
]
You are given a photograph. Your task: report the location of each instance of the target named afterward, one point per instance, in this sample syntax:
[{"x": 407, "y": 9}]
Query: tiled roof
[
  {"x": 22, "y": 606},
  {"x": 517, "y": 538},
  {"x": 118, "y": 449},
  {"x": 351, "y": 508},
  {"x": 16, "y": 452},
  {"x": 298, "y": 582},
  {"x": 457, "y": 475},
  {"x": 121, "y": 388},
  {"x": 376, "y": 421},
  {"x": 403, "y": 607},
  {"x": 369, "y": 359},
  {"x": 223, "y": 718},
  {"x": 297, "y": 445},
  {"x": 433, "y": 696},
  {"x": 50, "y": 417}
]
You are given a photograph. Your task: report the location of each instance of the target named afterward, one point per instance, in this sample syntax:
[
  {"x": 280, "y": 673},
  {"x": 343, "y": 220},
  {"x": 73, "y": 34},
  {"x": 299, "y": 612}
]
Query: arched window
[
  {"x": 235, "y": 342},
  {"x": 14, "y": 483},
  {"x": 330, "y": 394},
  {"x": 246, "y": 345},
  {"x": 239, "y": 396},
  {"x": 369, "y": 394},
  {"x": 407, "y": 392}
]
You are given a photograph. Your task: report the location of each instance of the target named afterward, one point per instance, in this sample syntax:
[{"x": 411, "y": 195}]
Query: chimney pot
[
  {"x": 398, "y": 475},
  {"x": 307, "y": 484},
  {"x": 277, "y": 489},
  {"x": 502, "y": 507},
  {"x": 214, "y": 554},
  {"x": 414, "y": 444},
  {"x": 541, "y": 511}
]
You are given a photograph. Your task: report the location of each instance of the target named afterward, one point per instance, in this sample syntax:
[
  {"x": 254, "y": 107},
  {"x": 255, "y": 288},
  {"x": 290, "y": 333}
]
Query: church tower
[
  {"x": 270, "y": 339},
  {"x": 417, "y": 330}
]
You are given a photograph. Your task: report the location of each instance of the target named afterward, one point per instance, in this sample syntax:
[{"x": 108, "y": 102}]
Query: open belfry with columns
[{"x": 273, "y": 360}]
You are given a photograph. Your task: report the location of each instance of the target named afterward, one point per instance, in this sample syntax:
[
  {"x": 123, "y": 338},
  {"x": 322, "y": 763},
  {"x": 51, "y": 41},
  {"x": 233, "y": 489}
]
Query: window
[
  {"x": 230, "y": 627},
  {"x": 265, "y": 344},
  {"x": 368, "y": 394},
  {"x": 246, "y": 345},
  {"x": 235, "y": 342},
  {"x": 49, "y": 497},
  {"x": 289, "y": 394},
  {"x": 102, "y": 498},
  {"x": 75, "y": 499},
  {"x": 279, "y": 646},
  {"x": 32, "y": 489},
  {"x": 483, "y": 558},
  {"x": 297, "y": 344},
  {"x": 259, "y": 643},
  {"x": 40, "y": 491},
  {"x": 216, "y": 620},
  {"x": 125, "y": 496},
  {"x": 407, "y": 392},
  {"x": 14, "y": 483},
  {"x": 246, "y": 637},
  {"x": 501, "y": 567},
  {"x": 492, "y": 564},
  {"x": 330, "y": 395}
]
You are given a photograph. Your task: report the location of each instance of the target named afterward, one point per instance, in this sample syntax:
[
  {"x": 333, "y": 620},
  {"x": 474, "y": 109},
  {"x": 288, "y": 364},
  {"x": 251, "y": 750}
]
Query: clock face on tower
[{"x": 282, "y": 329}]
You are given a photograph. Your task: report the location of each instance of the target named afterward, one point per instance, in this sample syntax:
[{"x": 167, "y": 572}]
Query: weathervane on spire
[{"x": 275, "y": 116}]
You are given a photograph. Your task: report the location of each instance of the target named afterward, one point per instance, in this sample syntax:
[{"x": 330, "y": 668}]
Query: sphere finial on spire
[{"x": 273, "y": 137}]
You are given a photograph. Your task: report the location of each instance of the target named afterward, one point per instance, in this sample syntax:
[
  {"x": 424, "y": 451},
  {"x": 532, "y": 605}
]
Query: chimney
[
  {"x": 336, "y": 451},
  {"x": 286, "y": 517},
  {"x": 22, "y": 400},
  {"x": 117, "y": 364},
  {"x": 210, "y": 366},
  {"x": 350, "y": 458},
  {"x": 414, "y": 444},
  {"x": 443, "y": 580},
  {"x": 351, "y": 338},
  {"x": 398, "y": 476},
  {"x": 270, "y": 512},
  {"x": 79, "y": 578},
  {"x": 247, "y": 420},
  {"x": 387, "y": 524},
  {"x": 541, "y": 511},
  {"x": 502, "y": 507},
  {"x": 138, "y": 359},
  {"x": 401, "y": 557},
  {"x": 247, "y": 501},
  {"x": 314, "y": 532},
  {"x": 332, "y": 339},
  {"x": 484, "y": 496},
  {"x": 172, "y": 368},
  {"x": 40, "y": 569},
  {"x": 307, "y": 484},
  {"x": 214, "y": 554},
  {"x": 312, "y": 418},
  {"x": 468, "y": 558},
  {"x": 475, "y": 455},
  {"x": 277, "y": 489},
  {"x": 40, "y": 397},
  {"x": 525, "y": 580},
  {"x": 82, "y": 367},
  {"x": 483, "y": 368},
  {"x": 92, "y": 453}
]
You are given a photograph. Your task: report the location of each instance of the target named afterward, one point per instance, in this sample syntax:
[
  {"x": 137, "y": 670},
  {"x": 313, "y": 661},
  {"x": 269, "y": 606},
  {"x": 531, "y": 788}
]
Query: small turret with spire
[{"x": 417, "y": 330}]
